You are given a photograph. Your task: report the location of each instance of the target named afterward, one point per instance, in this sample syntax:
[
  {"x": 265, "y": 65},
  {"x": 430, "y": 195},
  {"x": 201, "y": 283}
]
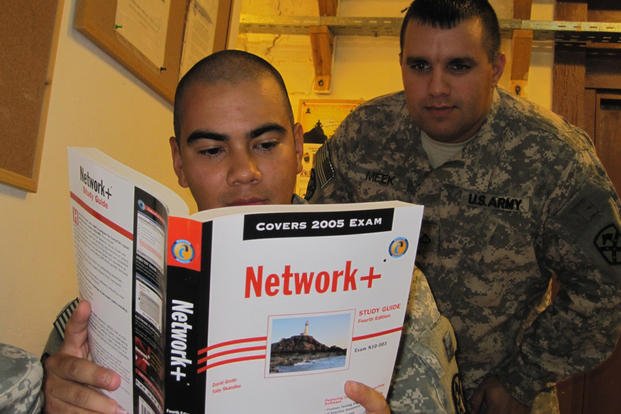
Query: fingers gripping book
[{"x": 237, "y": 309}]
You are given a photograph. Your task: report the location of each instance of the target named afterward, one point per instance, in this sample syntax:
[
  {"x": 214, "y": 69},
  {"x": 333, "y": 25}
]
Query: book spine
[
  {"x": 148, "y": 302},
  {"x": 187, "y": 306}
]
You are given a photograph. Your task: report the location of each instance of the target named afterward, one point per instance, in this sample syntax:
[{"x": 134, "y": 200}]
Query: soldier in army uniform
[
  {"x": 513, "y": 197},
  {"x": 236, "y": 143}
]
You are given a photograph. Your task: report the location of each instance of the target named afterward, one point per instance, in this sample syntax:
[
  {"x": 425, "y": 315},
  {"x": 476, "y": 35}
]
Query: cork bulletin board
[{"x": 29, "y": 32}]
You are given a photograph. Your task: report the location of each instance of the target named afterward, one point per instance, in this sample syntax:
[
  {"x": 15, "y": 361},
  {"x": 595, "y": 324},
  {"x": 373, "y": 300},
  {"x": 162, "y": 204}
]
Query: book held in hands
[{"x": 237, "y": 309}]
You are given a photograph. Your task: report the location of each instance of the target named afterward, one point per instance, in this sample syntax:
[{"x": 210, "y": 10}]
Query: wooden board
[{"x": 29, "y": 32}]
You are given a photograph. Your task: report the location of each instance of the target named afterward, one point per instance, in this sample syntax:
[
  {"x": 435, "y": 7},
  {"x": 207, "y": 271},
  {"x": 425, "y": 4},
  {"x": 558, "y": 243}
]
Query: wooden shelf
[
  {"x": 599, "y": 38},
  {"x": 560, "y": 31}
]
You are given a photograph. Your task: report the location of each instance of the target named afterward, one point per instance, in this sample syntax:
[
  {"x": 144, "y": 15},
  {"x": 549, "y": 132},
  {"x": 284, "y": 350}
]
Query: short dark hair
[
  {"x": 231, "y": 66},
  {"x": 447, "y": 14}
]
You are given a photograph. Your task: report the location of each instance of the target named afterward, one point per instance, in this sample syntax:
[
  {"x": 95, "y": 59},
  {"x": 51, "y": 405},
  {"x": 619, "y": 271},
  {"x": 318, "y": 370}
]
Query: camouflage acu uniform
[
  {"x": 425, "y": 379},
  {"x": 525, "y": 199},
  {"x": 20, "y": 381}
]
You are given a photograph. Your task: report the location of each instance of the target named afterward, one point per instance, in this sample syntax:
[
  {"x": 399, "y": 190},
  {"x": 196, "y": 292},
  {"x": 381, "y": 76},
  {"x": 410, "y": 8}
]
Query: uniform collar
[{"x": 474, "y": 167}]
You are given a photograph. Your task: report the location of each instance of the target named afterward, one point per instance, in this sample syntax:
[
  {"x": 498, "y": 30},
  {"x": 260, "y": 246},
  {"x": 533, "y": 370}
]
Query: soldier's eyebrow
[
  {"x": 254, "y": 133},
  {"x": 458, "y": 60},
  {"x": 464, "y": 60},
  {"x": 269, "y": 127},
  {"x": 203, "y": 134},
  {"x": 411, "y": 60}
]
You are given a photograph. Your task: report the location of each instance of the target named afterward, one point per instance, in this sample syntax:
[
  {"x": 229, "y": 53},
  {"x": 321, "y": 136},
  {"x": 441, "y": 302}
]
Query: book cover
[{"x": 241, "y": 309}]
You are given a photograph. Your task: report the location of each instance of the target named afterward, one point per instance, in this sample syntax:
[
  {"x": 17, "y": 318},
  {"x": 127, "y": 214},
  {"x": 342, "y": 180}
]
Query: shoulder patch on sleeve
[
  {"x": 608, "y": 244},
  {"x": 324, "y": 170}
]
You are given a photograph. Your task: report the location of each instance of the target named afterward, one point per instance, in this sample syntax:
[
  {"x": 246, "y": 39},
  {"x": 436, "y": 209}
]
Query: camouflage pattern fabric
[
  {"x": 525, "y": 199},
  {"x": 425, "y": 379},
  {"x": 21, "y": 376}
]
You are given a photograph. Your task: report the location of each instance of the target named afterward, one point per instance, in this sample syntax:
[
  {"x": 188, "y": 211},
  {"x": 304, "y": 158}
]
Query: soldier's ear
[
  {"x": 298, "y": 142},
  {"x": 175, "y": 152},
  {"x": 498, "y": 66}
]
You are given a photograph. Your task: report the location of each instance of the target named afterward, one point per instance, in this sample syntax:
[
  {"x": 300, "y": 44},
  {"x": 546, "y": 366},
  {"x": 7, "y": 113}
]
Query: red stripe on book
[
  {"x": 232, "y": 342},
  {"x": 373, "y": 335},
  {"x": 101, "y": 218},
  {"x": 229, "y": 361},
  {"x": 233, "y": 351}
]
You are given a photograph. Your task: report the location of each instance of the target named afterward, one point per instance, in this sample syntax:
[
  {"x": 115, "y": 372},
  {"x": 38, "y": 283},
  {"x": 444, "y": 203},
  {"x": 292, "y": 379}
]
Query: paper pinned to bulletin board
[{"x": 319, "y": 119}]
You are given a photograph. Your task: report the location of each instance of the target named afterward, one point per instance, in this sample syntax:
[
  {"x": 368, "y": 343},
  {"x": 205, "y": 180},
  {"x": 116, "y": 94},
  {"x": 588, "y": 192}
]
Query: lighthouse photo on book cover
[{"x": 309, "y": 343}]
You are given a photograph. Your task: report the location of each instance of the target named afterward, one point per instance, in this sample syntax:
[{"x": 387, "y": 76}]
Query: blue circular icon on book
[
  {"x": 398, "y": 247},
  {"x": 182, "y": 251}
]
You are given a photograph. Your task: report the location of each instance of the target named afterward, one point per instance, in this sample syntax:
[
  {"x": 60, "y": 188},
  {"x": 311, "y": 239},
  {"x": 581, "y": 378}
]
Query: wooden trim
[
  {"x": 568, "y": 76},
  {"x": 322, "y": 45},
  {"x": 521, "y": 47},
  {"x": 571, "y": 10},
  {"x": 223, "y": 25},
  {"x": 569, "y": 71},
  {"x": 603, "y": 71},
  {"x": 327, "y": 7},
  {"x": 95, "y": 19},
  {"x": 522, "y": 9},
  {"x": 590, "y": 100}
]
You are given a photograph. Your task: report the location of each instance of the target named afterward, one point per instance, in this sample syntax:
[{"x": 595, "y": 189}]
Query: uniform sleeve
[
  {"x": 579, "y": 242},
  {"x": 21, "y": 376},
  {"x": 329, "y": 181},
  {"x": 425, "y": 379}
]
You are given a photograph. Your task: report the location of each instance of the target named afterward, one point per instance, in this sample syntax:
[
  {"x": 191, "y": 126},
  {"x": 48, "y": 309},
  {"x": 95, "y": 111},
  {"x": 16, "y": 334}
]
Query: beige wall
[{"x": 96, "y": 102}]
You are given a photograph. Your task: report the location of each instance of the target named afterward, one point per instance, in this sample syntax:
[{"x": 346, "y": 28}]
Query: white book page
[{"x": 102, "y": 209}]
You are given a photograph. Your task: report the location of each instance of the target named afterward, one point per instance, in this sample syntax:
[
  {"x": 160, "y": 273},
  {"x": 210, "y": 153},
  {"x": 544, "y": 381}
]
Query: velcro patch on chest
[{"x": 497, "y": 202}]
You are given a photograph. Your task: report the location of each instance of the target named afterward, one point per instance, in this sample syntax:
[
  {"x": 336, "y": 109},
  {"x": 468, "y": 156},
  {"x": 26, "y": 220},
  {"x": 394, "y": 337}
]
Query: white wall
[{"x": 94, "y": 102}]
